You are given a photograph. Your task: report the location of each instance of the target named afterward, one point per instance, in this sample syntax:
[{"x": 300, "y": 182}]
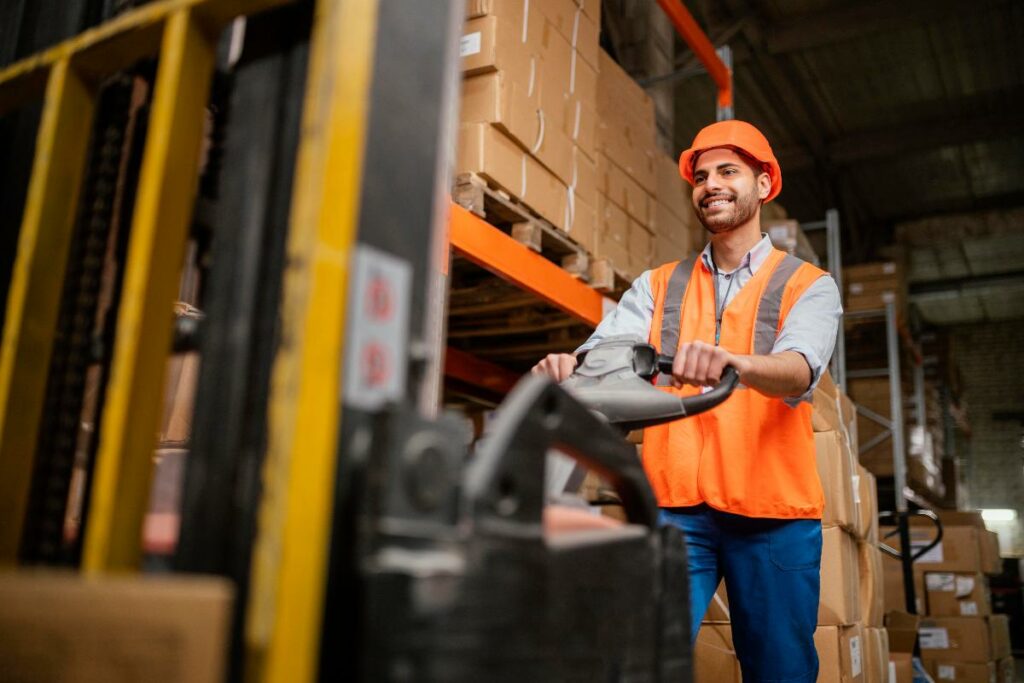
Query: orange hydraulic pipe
[{"x": 691, "y": 32}]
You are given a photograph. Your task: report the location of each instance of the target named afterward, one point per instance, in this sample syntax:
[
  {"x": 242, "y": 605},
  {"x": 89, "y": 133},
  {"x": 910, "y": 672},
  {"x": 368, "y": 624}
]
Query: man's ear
[{"x": 764, "y": 185}]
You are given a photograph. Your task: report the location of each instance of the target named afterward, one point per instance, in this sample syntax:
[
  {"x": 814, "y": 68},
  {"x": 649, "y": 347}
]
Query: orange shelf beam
[
  {"x": 477, "y": 372},
  {"x": 690, "y": 31},
  {"x": 490, "y": 248}
]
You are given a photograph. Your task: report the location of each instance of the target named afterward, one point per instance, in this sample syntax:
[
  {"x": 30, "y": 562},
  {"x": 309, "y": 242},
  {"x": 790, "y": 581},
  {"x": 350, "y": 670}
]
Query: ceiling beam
[
  {"x": 1009, "y": 200},
  {"x": 925, "y": 133},
  {"x": 973, "y": 284},
  {"x": 853, "y": 20}
]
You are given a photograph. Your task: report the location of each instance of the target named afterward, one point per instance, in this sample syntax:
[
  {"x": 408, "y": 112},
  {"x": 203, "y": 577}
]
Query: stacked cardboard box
[
  {"x": 627, "y": 181},
  {"x": 870, "y": 286},
  {"x": 787, "y": 236},
  {"x": 674, "y": 220},
  {"x": 961, "y": 640},
  {"x": 528, "y": 105}
]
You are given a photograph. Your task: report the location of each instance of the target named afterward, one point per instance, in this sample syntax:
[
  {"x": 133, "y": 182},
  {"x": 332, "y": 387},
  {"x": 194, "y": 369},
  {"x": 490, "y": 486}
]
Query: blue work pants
[{"x": 771, "y": 569}]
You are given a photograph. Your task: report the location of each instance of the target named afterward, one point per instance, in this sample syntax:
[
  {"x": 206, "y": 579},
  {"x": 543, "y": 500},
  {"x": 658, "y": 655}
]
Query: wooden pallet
[{"x": 505, "y": 212}]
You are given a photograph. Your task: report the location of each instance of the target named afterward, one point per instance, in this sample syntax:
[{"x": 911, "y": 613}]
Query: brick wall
[{"x": 991, "y": 361}]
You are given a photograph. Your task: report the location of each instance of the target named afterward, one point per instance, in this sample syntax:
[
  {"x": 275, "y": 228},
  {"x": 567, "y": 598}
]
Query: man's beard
[{"x": 735, "y": 214}]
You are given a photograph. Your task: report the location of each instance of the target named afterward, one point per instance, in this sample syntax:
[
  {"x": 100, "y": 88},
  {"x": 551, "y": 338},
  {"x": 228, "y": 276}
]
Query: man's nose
[{"x": 712, "y": 183}]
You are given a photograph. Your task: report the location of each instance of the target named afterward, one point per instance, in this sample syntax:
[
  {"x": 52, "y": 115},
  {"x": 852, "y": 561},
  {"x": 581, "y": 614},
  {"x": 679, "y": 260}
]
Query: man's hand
[
  {"x": 701, "y": 364},
  {"x": 557, "y": 366}
]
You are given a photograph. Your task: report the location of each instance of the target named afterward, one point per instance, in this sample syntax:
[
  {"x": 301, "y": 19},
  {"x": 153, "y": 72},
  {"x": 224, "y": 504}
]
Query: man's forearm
[{"x": 782, "y": 374}]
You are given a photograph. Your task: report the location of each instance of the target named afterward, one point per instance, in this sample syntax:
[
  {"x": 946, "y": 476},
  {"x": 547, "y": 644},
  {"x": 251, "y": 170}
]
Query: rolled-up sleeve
[
  {"x": 810, "y": 330},
  {"x": 632, "y": 315}
]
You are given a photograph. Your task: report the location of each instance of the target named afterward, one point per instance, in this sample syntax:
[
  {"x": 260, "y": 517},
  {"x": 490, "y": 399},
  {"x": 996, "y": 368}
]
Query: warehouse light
[{"x": 999, "y": 515}]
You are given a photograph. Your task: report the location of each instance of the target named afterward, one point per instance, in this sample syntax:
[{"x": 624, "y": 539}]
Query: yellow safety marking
[
  {"x": 163, "y": 212},
  {"x": 33, "y": 300},
  {"x": 290, "y": 561},
  {"x": 116, "y": 44}
]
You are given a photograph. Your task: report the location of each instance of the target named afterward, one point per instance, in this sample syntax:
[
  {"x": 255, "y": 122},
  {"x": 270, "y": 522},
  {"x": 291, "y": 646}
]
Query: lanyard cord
[{"x": 720, "y": 310}]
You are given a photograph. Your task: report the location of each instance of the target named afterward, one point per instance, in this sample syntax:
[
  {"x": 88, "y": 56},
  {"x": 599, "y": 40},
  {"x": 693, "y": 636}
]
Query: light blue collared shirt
[{"x": 810, "y": 328}]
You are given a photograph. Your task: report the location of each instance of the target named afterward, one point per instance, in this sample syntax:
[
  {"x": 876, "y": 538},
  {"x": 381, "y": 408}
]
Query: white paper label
[
  {"x": 892, "y": 672},
  {"x": 933, "y": 638},
  {"x": 469, "y": 44},
  {"x": 940, "y": 583},
  {"x": 933, "y": 556},
  {"x": 968, "y": 608},
  {"x": 947, "y": 672},
  {"x": 378, "y": 321},
  {"x": 855, "y": 656},
  {"x": 964, "y": 586}
]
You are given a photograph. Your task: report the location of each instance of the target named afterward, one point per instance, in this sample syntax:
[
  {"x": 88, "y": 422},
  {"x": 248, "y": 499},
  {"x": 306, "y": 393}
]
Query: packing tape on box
[
  {"x": 722, "y": 606},
  {"x": 570, "y": 194},
  {"x": 533, "y": 76},
  {"x": 576, "y": 123},
  {"x": 522, "y": 179},
  {"x": 540, "y": 133},
  {"x": 572, "y": 58},
  {"x": 526, "y": 20}
]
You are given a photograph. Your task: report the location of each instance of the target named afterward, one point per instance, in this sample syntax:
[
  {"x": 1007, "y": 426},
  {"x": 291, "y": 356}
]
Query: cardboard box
[
  {"x": 901, "y": 629},
  {"x": 485, "y": 150},
  {"x": 787, "y": 236},
  {"x": 612, "y": 233},
  {"x": 1006, "y": 670},
  {"x": 497, "y": 99},
  {"x": 867, "y": 504},
  {"x": 714, "y": 658},
  {"x": 841, "y": 656},
  {"x": 958, "y": 551},
  {"x": 641, "y": 248},
  {"x": 671, "y": 189},
  {"x": 615, "y": 184},
  {"x": 892, "y": 581},
  {"x": 871, "y": 585},
  {"x": 583, "y": 228},
  {"x": 825, "y": 416},
  {"x": 876, "y": 655},
  {"x": 965, "y": 639},
  {"x": 951, "y": 594},
  {"x": 840, "y": 584},
  {"x": 575, "y": 26},
  {"x": 625, "y": 127},
  {"x": 180, "y": 384},
  {"x": 718, "y": 608},
  {"x": 671, "y": 228},
  {"x": 835, "y": 468},
  {"x": 63, "y": 627},
  {"x": 962, "y": 672},
  {"x": 495, "y": 43},
  {"x": 991, "y": 562}
]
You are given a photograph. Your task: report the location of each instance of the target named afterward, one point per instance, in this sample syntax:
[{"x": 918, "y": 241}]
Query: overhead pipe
[{"x": 690, "y": 31}]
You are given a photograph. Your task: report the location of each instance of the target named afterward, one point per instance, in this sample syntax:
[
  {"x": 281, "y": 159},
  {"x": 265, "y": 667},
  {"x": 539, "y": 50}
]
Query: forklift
[{"x": 295, "y": 157}]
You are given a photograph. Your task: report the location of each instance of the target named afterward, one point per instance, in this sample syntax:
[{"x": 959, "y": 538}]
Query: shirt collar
[{"x": 753, "y": 259}]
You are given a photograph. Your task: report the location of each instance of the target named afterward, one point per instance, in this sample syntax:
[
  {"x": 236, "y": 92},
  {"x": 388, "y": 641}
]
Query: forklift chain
[{"x": 73, "y": 342}]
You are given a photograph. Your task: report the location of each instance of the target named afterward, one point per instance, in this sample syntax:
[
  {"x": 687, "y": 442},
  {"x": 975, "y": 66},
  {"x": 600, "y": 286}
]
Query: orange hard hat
[{"x": 739, "y": 135}]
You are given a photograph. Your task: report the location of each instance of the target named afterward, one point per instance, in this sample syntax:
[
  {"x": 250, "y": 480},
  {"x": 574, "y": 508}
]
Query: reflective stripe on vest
[{"x": 670, "y": 318}]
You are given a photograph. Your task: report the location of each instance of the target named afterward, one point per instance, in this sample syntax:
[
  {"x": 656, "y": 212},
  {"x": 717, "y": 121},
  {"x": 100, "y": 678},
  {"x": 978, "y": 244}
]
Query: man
[{"x": 740, "y": 480}]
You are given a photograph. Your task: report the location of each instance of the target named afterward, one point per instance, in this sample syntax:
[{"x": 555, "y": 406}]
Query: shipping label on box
[{"x": 951, "y": 594}]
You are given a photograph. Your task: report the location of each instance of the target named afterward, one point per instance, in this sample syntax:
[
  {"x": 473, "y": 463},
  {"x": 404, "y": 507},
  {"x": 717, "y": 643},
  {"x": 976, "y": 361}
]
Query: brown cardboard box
[
  {"x": 958, "y": 551},
  {"x": 1007, "y": 670},
  {"x": 876, "y": 655},
  {"x": 672, "y": 190},
  {"x": 962, "y": 672},
  {"x": 614, "y": 183},
  {"x": 625, "y": 127},
  {"x": 63, "y": 627},
  {"x": 612, "y": 233},
  {"x": 950, "y": 594},
  {"x": 667, "y": 250},
  {"x": 494, "y": 43},
  {"x": 714, "y": 659},
  {"x": 485, "y": 150},
  {"x": 179, "y": 398},
  {"x": 787, "y": 236},
  {"x": 841, "y": 656},
  {"x": 901, "y": 629},
  {"x": 641, "y": 248},
  {"x": 584, "y": 225},
  {"x": 872, "y": 596},
  {"x": 872, "y": 271},
  {"x": 840, "y": 584},
  {"x": 718, "y": 608},
  {"x": 965, "y": 639},
  {"x": 834, "y": 469},
  {"x": 495, "y": 98},
  {"x": 991, "y": 563},
  {"x": 671, "y": 227},
  {"x": 867, "y": 504},
  {"x": 572, "y": 23},
  {"x": 584, "y": 179},
  {"x": 892, "y": 581},
  {"x": 826, "y": 411}
]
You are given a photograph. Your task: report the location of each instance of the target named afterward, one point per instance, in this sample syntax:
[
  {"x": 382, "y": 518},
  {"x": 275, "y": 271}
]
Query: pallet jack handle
[{"x": 907, "y": 556}]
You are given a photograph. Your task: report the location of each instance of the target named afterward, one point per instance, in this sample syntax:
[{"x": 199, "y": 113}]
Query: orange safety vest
[{"x": 752, "y": 455}]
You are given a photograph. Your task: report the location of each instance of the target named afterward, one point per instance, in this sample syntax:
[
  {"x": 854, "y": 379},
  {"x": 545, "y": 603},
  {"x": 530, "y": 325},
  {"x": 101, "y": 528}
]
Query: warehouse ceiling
[{"x": 892, "y": 112}]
